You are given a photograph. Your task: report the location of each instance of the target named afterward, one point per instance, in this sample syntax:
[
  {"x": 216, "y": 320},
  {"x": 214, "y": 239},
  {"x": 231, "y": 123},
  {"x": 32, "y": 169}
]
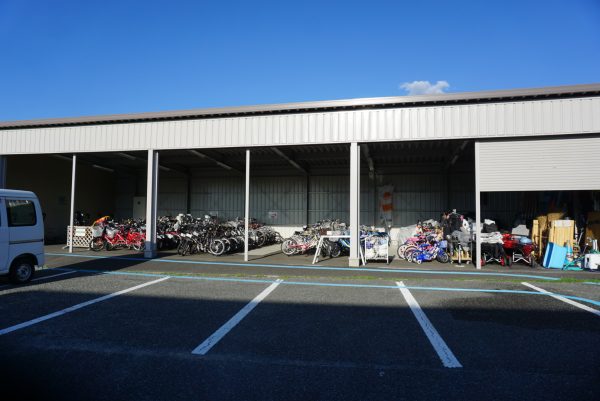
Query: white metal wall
[
  {"x": 172, "y": 198},
  {"x": 224, "y": 197},
  {"x": 329, "y": 198},
  {"x": 507, "y": 119},
  {"x": 416, "y": 197},
  {"x": 220, "y": 196},
  {"x": 540, "y": 165}
]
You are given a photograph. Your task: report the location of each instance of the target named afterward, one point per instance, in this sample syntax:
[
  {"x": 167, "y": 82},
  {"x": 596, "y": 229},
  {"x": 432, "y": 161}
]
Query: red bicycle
[{"x": 109, "y": 236}]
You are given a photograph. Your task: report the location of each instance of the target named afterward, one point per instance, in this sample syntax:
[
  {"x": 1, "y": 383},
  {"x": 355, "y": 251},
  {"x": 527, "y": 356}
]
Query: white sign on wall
[{"x": 273, "y": 215}]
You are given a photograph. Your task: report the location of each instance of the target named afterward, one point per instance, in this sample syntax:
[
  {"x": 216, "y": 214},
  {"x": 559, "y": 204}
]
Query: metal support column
[
  {"x": 188, "y": 199},
  {"x": 2, "y": 172},
  {"x": 151, "y": 204},
  {"x": 307, "y": 216},
  {"x": 72, "y": 212},
  {"x": 247, "y": 206},
  {"x": 477, "y": 253},
  {"x": 354, "y": 260}
]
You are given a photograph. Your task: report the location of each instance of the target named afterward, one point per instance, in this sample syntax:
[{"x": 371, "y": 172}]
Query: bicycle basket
[
  {"x": 97, "y": 231},
  {"x": 111, "y": 232}
]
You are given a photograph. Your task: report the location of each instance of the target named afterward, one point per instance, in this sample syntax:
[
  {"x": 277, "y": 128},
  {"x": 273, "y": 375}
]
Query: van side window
[{"x": 20, "y": 213}]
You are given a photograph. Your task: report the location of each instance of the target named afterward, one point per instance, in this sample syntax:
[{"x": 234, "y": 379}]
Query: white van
[{"x": 21, "y": 234}]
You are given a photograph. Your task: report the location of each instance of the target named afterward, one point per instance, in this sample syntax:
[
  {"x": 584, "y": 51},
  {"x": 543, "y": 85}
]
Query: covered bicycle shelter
[{"x": 358, "y": 132}]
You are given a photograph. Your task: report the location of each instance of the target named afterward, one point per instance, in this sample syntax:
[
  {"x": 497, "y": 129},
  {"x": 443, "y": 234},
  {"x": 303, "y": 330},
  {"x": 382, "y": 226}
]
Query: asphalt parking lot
[{"x": 114, "y": 333}]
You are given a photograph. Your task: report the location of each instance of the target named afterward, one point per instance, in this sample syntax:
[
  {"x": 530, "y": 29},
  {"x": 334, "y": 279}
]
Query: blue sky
[{"x": 71, "y": 58}]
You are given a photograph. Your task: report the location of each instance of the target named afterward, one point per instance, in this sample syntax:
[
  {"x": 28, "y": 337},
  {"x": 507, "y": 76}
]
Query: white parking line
[
  {"x": 447, "y": 357},
  {"x": 566, "y": 300},
  {"x": 76, "y": 307},
  {"x": 211, "y": 341},
  {"x": 44, "y": 277}
]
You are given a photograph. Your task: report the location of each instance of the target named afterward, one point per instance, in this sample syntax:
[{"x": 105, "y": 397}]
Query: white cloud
[{"x": 424, "y": 87}]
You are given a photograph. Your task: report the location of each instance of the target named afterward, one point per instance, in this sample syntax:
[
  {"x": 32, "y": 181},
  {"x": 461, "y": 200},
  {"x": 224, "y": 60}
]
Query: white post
[
  {"x": 151, "y": 204},
  {"x": 72, "y": 213},
  {"x": 2, "y": 172},
  {"x": 477, "y": 211},
  {"x": 354, "y": 260},
  {"x": 247, "y": 206}
]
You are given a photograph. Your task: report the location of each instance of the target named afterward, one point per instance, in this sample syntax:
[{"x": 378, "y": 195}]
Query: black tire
[
  {"x": 183, "y": 247},
  {"x": 335, "y": 250},
  {"x": 261, "y": 238},
  {"x": 443, "y": 257},
  {"x": 97, "y": 244},
  {"x": 21, "y": 270}
]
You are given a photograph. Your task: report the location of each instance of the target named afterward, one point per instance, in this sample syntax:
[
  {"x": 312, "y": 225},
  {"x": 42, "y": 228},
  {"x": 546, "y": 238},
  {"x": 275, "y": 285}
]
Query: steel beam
[
  {"x": 456, "y": 154},
  {"x": 367, "y": 153},
  {"x": 217, "y": 162},
  {"x": 160, "y": 166},
  {"x": 290, "y": 160}
]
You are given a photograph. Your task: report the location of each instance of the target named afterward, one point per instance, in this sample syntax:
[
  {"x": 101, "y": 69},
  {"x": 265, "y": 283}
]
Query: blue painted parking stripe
[
  {"x": 304, "y": 267},
  {"x": 322, "y": 284}
]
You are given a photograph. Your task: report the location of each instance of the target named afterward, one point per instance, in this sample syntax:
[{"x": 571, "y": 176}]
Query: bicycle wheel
[
  {"x": 261, "y": 238},
  {"x": 335, "y": 250},
  {"x": 97, "y": 244},
  {"x": 288, "y": 247},
  {"x": 408, "y": 251},
  {"x": 217, "y": 247},
  {"x": 442, "y": 257},
  {"x": 182, "y": 249},
  {"x": 401, "y": 251}
]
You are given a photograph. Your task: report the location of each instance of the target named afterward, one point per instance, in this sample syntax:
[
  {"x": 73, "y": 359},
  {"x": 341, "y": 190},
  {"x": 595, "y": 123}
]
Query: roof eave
[{"x": 376, "y": 102}]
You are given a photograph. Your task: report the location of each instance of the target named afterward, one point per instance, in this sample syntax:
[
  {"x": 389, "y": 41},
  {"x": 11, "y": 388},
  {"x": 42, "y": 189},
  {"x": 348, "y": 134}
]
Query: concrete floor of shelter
[{"x": 233, "y": 264}]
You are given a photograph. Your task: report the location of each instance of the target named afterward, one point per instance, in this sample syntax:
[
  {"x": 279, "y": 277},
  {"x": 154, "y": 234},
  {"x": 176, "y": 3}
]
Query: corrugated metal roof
[{"x": 347, "y": 104}]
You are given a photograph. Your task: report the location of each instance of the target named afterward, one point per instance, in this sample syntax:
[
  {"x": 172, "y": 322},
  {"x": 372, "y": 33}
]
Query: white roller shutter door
[{"x": 540, "y": 165}]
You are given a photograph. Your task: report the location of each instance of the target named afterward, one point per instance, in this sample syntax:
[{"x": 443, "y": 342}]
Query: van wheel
[{"x": 21, "y": 271}]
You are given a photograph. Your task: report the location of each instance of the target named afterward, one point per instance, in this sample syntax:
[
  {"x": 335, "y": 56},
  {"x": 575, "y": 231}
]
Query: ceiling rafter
[
  {"x": 217, "y": 162},
  {"x": 290, "y": 160}
]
